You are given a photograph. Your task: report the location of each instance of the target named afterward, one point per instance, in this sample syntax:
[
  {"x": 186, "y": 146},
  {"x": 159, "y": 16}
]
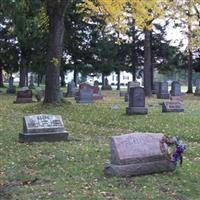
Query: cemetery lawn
[{"x": 74, "y": 169}]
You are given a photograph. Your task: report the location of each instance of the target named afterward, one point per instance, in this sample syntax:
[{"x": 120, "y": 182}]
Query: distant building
[{"x": 125, "y": 77}]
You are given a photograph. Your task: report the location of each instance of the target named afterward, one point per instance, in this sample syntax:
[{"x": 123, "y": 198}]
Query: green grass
[{"x": 74, "y": 169}]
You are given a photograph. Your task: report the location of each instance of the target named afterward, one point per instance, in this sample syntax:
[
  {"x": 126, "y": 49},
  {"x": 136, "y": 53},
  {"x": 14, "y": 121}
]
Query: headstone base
[
  {"x": 24, "y": 100},
  {"x": 139, "y": 168},
  {"x": 163, "y": 96},
  {"x": 136, "y": 110},
  {"x": 43, "y": 137}
]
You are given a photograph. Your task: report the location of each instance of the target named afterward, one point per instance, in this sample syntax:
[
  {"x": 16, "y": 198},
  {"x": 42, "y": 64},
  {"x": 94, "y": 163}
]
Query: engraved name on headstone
[
  {"x": 172, "y": 106},
  {"x": 138, "y": 154}
]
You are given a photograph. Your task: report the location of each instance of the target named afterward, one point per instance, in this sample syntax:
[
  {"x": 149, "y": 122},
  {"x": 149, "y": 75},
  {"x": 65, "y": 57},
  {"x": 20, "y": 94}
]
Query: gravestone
[
  {"x": 156, "y": 86},
  {"x": 11, "y": 88},
  {"x": 106, "y": 85},
  {"x": 138, "y": 154},
  {"x": 85, "y": 95},
  {"x": 24, "y": 96},
  {"x": 131, "y": 84},
  {"x": 136, "y": 102},
  {"x": 31, "y": 83},
  {"x": 172, "y": 106},
  {"x": 176, "y": 89},
  {"x": 96, "y": 91},
  {"x": 163, "y": 91},
  {"x": 197, "y": 90},
  {"x": 39, "y": 128},
  {"x": 71, "y": 89}
]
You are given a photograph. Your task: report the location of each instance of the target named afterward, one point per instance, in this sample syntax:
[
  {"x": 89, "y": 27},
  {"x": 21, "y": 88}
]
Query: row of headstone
[
  {"x": 131, "y": 154},
  {"x": 136, "y": 104}
]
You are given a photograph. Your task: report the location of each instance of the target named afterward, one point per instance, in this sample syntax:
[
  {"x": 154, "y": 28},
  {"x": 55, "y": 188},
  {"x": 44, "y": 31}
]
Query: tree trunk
[
  {"x": 190, "y": 48},
  {"x": 147, "y": 63},
  {"x": 62, "y": 76},
  {"x": 75, "y": 75},
  {"x": 118, "y": 80},
  {"x": 133, "y": 54},
  {"x": 55, "y": 12},
  {"x": 152, "y": 62},
  {"x": 103, "y": 79},
  {"x": 1, "y": 76},
  {"x": 190, "y": 90},
  {"x": 23, "y": 73}
]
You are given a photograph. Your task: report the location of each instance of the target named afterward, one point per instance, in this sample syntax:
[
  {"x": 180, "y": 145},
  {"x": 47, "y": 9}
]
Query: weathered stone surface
[
  {"x": 85, "y": 95},
  {"x": 131, "y": 84},
  {"x": 137, "y": 147},
  {"x": 71, "y": 89},
  {"x": 163, "y": 91},
  {"x": 172, "y": 106},
  {"x": 156, "y": 86},
  {"x": 138, "y": 154},
  {"x": 139, "y": 168},
  {"x": 24, "y": 96},
  {"x": 96, "y": 92},
  {"x": 176, "y": 89},
  {"x": 136, "y": 110},
  {"x": 136, "y": 101},
  {"x": 37, "y": 128}
]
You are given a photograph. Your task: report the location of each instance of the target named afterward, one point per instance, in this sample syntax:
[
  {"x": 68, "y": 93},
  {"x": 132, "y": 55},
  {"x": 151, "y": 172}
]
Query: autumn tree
[{"x": 142, "y": 12}]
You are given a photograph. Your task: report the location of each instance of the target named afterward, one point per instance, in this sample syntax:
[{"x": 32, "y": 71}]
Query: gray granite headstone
[
  {"x": 43, "y": 127},
  {"x": 11, "y": 88},
  {"x": 176, "y": 89},
  {"x": 197, "y": 90},
  {"x": 156, "y": 86},
  {"x": 71, "y": 89},
  {"x": 131, "y": 84},
  {"x": 136, "y": 101},
  {"x": 163, "y": 91},
  {"x": 85, "y": 95},
  {"x": 138, "y": 154},
  {"x": 172, "y": 106}
]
